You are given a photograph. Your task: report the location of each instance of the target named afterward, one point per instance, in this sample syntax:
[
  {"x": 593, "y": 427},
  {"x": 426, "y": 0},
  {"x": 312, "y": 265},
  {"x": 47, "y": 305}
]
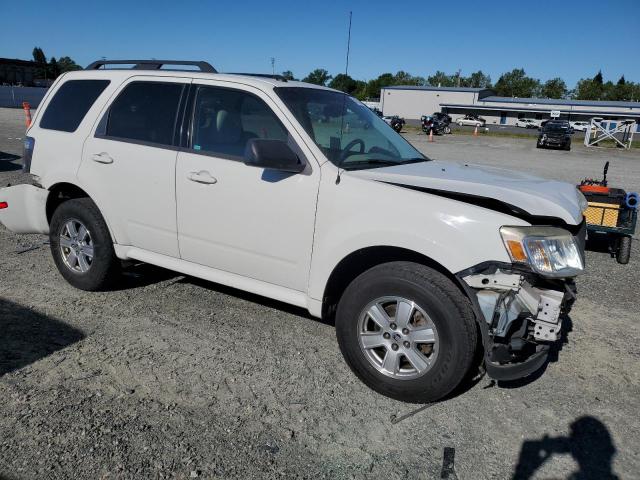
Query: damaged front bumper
[{"x": 520, "y": 316}]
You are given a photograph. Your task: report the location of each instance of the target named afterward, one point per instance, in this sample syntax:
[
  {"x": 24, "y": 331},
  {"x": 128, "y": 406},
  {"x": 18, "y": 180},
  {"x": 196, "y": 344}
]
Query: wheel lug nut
[
  {"x": 407, "y": 344},
  {"x": 405, "y": 331},
  {"x": 394, "y": 347},
  {"x": 393, "y": 326},
  {"x": 386, "y": 335}
]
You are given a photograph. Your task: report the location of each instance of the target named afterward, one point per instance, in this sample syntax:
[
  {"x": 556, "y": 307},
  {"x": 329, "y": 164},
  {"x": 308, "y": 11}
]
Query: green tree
[
  {"x": 441, "y": 79},
  {"x": 587, "y": 89},
  {"x": 554, "y": 88},
  {"x": 318, "y": 77},
  {"x": 40, "y": 58},
  {"x": 476, "y": 80},
  {"x": 54, "y": 68},
  {"x": 66, "y": 64},
  {"x": 288, "y": 74},
  {"x": 404, "y": 78},
  {"x": 621, "y": 80},
  {"x": 344, "y": 83},
  {"x": 598, "y": 78},
  {"x": 516, "y": 84}
]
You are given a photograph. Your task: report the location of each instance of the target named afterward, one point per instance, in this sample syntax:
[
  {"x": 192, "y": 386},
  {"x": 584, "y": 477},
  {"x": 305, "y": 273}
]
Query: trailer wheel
[{"x": 624, "y": 250}]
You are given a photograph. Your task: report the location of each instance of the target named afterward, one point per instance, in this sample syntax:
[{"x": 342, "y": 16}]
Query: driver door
[{"x": 240, "y": 219}]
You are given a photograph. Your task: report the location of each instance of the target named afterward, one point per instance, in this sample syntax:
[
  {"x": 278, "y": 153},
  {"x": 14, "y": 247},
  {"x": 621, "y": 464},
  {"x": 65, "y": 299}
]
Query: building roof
[
  {"x": 429, "y": 87},
  {"x": 560, "y": 101},
  {"x": 15, "y": 61},
  {"x": 541, "y": 109}
]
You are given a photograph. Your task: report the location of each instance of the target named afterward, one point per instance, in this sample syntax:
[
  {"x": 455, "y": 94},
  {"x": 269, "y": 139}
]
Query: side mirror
[{"x": 272, "y": 155}]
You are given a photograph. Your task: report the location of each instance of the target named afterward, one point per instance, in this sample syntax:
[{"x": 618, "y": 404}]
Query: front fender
[{"x": 358, "y": 213}]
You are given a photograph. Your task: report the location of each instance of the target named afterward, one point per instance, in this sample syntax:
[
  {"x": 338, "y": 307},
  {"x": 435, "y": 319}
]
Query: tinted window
[
  {"x": 71, "y": 103},
  {"x": 145, "y": 111},
  {"x": 224, "y": 120}
]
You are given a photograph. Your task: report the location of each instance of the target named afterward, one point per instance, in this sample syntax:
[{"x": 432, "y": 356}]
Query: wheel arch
[
  {"x": 62, "y": 191},
  {"x": 361, "y": 260}
]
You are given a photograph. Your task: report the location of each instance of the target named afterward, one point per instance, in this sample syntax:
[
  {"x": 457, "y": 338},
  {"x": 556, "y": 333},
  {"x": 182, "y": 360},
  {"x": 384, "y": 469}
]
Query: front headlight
[{"x": 549, "y": 251}]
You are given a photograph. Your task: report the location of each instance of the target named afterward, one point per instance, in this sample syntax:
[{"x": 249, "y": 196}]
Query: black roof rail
[
  {"x": 152, "y": 64},
  {"x": 263, "y": 75}
]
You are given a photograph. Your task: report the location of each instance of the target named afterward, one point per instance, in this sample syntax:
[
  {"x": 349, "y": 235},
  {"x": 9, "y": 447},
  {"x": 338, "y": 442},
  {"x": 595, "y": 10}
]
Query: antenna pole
[{"x": 346, "y": 68}]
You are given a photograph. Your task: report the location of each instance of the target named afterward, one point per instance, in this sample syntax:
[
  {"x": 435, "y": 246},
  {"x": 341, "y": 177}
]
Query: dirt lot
[{"x": 172, "y": 377}]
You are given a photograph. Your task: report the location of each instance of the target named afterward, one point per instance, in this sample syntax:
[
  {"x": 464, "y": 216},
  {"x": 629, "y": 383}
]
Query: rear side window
[
  {"x": 71, "y": 103},
  {"x": 145, "y": 112}
]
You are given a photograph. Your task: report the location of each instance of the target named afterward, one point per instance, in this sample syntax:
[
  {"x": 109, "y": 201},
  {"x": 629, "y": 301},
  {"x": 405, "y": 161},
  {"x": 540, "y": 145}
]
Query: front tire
[
  {"x": 406, "y": 331},
  {"x": 81, "y": 245}
]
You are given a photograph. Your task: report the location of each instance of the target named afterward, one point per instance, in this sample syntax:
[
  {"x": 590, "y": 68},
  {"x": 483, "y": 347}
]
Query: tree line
[
  {"x": 53, "y": 68},
  {"x": 515, "y": 83}
]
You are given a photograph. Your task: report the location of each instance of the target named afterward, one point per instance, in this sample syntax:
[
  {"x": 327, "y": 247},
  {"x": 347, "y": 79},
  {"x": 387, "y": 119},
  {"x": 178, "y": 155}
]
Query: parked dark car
[
  {"x": 435, "y": 124},
  {"x": 555, "y": 134},
  {"x": 395, "y": 122},
  {"x": 442, "y": 117}
]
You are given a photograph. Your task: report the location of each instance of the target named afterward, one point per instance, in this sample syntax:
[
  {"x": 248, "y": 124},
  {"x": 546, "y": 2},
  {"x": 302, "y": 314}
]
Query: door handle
[
  {"x": 202, "y": 177},
  {"x": 102, "y": 157}
]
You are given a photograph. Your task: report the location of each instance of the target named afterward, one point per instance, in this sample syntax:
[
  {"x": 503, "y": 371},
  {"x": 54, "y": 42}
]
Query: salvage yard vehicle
[
  {"x": 556, "y": 134},
  {"x": 527, "y": 123},
  {"x": 422, "y": 264},
  {"x": 471, "y": 120},
  {"x": 394, "y": 122}
]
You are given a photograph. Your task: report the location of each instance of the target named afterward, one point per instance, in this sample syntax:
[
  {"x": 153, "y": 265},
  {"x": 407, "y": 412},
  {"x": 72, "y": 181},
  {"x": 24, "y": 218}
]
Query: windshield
[{"x": 349, "y": 134}]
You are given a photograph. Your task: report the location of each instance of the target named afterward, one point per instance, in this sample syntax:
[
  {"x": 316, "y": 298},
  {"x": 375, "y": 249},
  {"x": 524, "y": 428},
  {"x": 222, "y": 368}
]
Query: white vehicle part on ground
[
  {"x": 505, "y": 297},
  {"x": 26, "y": 209}
]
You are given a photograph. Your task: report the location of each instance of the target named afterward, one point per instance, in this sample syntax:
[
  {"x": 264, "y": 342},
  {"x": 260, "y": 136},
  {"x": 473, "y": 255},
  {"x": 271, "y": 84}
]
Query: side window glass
[
  {"x": 71, "y": 103},
  {"x": 225, "y": 120},
  {"x": 146, "y": 112}
]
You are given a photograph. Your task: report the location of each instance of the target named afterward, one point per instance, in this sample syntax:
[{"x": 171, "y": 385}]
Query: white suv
[{"x": 300, "y": 193}]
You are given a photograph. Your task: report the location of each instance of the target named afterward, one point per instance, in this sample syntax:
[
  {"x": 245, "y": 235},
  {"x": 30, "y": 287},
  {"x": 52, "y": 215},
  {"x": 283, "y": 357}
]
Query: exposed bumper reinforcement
[{"x": 515, "y": 371}]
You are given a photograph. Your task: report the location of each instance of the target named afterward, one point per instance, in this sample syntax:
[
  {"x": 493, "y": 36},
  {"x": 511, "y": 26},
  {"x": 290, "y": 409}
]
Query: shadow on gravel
[
  {"x": 251, "y": 297},
  {"x": 589, "y": 443},
  {"x": 6, "y": 163},
  {"x": 27, "y": 336}
]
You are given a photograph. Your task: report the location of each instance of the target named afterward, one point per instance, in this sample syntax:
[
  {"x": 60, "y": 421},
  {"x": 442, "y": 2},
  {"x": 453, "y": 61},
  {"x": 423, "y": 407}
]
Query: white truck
[{"x": 257, "y": 183}]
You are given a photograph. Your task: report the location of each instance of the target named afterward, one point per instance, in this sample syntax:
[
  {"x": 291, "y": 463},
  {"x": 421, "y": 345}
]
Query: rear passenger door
[{"x": 129, "y": 162}]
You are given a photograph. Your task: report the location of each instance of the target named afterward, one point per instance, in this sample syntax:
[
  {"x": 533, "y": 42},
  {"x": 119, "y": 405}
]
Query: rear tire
[
  {"x": 435, "y": 304},
  {"x": 86, "y": 260},
  {"x": 624, "y": 250}
]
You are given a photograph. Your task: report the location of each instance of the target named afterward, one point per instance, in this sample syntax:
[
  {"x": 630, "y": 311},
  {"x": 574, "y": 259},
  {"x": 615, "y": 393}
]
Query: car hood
[{"x": 475, "y": 184}]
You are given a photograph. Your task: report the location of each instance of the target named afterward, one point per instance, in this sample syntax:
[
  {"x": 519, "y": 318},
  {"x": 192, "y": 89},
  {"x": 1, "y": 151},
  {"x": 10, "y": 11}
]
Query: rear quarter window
[{"x": 71, "y": 103}]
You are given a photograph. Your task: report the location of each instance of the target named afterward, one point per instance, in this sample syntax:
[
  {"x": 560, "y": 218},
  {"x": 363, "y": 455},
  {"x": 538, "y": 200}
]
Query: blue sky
[{"x": 570, "y": 39}]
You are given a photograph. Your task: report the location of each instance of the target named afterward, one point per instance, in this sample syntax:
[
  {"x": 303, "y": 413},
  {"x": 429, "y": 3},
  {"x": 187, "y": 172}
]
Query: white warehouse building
[{"x": 411, "y": 102}]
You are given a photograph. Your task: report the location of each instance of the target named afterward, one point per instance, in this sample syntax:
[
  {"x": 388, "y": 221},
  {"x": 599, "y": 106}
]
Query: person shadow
[{"x": 589, "y": 443}]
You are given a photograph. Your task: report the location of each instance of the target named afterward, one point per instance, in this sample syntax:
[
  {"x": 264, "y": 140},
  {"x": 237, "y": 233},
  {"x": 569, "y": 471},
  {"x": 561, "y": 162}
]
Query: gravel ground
[{"x": 172, "y": 377}]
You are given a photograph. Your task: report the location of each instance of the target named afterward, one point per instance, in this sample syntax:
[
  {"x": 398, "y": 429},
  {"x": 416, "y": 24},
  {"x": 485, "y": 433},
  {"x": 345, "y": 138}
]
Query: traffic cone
[
  {"x": 431, "y": 134},
  {"x": 27, "y": 113},
  {"x": 475, "y": 131}
]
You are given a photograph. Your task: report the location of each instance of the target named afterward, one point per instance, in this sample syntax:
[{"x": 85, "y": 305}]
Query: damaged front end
[
  {"x": 519, "y": 305},
  {"x": 522, "y": 316}
]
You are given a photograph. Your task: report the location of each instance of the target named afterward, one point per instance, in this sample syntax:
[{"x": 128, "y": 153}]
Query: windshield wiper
[{"x": 378, "y": 162}]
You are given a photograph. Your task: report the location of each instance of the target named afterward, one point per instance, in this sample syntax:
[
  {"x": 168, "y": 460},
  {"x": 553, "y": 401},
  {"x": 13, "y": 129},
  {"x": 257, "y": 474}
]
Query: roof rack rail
[
  {"x": 263, "y": 75},
  {"x": 152, "y": 64}
]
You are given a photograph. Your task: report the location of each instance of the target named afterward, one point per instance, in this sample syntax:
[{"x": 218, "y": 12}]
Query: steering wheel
[{"x": 346, "y": 152}]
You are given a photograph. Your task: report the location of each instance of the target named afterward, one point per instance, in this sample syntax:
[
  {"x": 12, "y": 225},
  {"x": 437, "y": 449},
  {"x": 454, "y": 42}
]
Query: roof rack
[
  {"x": 262, "y": 75},
  {"x": 152, "y": 64}
]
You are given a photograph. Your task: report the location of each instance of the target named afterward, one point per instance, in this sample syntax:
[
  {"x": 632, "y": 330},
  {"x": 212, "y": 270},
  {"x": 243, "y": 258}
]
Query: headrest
[{"x": 228, "y": 126}]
